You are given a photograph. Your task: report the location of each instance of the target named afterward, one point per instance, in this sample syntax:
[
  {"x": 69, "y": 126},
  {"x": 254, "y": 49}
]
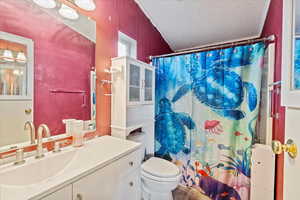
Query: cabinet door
[
  {"x": 134, "y": 85},
  {"x": 101, "y": 185},
  {"x": 130, "y": 186},
  {"x": 62, "y": 194},
  {"x": 148, "y": 85},
  {"x": 108, "y": 183}
]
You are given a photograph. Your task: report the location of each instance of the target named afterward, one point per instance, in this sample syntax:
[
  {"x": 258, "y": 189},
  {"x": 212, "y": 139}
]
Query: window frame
[{"x": 130, "y": 43}]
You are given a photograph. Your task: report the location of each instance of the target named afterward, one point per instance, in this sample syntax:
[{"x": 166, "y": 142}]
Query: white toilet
[{"x": 159, "y": 176}]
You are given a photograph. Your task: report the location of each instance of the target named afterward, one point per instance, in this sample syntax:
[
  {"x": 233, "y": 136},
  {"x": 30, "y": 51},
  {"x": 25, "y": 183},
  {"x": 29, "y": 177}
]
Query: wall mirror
[
  {"x": 46, "y": 70},
  {"x": 291, "y": 54}
]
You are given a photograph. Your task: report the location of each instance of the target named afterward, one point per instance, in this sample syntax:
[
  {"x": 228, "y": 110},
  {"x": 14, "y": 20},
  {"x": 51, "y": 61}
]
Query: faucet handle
[{"x": 19, "y": 157}]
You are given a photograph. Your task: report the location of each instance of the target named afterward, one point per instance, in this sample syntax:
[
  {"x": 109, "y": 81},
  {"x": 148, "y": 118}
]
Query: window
[{"x": 126, "y": 46}]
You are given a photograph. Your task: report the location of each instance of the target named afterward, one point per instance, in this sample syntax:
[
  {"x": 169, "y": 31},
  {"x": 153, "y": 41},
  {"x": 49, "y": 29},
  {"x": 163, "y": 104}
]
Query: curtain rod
[{"x": 270, "y": 38}]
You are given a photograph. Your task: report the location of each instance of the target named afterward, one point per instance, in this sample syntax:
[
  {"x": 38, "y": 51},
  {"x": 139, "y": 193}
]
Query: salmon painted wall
[
  {"x": 63, "y": 60},
  {"x": 273, "y": 25},
  {"x": 125, "y": 16}
]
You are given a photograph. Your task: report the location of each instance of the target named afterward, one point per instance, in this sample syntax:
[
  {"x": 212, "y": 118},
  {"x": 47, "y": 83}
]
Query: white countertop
[{"x": 94, "y": 155}]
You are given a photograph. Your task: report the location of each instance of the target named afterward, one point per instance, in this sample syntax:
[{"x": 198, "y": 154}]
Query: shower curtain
[{"x": 205, "y": 116}]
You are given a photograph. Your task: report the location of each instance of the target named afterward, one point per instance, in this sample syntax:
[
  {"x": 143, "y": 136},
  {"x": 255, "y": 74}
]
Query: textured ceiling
[{"x": 191, "y": 23}]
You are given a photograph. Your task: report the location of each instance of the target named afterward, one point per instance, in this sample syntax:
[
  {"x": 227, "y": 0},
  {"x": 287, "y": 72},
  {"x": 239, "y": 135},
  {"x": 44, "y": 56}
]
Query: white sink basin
[
  {"x": 38, "y": 177},
  {"x": 36, "y": 170}
]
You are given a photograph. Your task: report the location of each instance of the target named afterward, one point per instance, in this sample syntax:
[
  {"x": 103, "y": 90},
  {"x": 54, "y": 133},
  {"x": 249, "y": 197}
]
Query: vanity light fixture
[
  {"x": 46, "y": 3},
  {"x": 68, "y": 12},
  {"x": 8, "y": 55},
  {"x": 21, "y": 58},
  {"x": 88, "y": 5},
  {"x": 16, "y": 72}
]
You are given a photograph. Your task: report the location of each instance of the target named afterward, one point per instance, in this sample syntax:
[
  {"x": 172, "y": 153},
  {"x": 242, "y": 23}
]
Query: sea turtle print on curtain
[{"x": 206, "y": 110}]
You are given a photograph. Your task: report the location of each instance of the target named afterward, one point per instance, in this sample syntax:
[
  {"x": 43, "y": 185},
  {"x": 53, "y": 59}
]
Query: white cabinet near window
[
  {"x": 140, "y": 84},
  {"x": 132, "y": 101},
  {"x": 148, "y": 78},
  {"x": 136, "y": 78},
  {"x": 134, "y": 84}
]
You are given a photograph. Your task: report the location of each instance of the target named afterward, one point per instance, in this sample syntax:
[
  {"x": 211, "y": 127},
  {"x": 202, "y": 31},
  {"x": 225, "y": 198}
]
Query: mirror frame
[
  {"x": 289, "y": 96},
  {"x": 30, "y": 63}
]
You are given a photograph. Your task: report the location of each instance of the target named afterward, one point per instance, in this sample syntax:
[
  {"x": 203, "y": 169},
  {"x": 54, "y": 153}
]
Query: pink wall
[
  {"x": 273, "y": 25},
  {"x": 62, "y": 57},
  {"x": 112, "y": 16}
]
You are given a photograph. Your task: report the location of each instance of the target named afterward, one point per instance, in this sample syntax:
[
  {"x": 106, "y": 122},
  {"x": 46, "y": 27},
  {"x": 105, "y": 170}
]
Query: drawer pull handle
[
  {"x": 131, "y": 184},
  {"x": 131, "y": 163},
  {"x": 79, "y": 197}
]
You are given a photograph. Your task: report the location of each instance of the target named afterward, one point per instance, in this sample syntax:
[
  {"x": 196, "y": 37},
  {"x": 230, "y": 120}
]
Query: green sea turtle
[{"x": 170, "y": 129}]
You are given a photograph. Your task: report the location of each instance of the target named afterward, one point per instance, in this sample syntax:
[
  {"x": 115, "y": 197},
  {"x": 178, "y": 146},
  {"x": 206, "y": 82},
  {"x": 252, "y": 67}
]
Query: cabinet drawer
[{"x": 130, "y": 162}]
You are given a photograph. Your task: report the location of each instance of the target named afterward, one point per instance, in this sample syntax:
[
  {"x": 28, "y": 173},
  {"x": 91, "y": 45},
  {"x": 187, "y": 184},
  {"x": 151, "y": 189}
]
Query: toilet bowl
[
  {"x": 159, "y": 176},
  {"x": 159, "y": 179}
]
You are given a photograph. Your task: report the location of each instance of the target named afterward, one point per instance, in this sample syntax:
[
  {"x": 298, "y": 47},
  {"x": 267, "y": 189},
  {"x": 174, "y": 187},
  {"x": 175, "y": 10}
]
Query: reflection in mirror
[
  {"x": 16, "y": 86},
  {"x": 13, "y": 65},
  {"x": 46, "y": 72}
]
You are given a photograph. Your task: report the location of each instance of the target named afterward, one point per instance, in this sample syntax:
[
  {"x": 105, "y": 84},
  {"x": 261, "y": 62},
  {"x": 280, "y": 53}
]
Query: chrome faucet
[
  {"x": 39, "y": 148},
  {"x": 30, "y": 126}
]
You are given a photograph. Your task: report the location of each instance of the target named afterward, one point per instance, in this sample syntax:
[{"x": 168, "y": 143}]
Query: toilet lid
[{"x": 160, "y": 168}]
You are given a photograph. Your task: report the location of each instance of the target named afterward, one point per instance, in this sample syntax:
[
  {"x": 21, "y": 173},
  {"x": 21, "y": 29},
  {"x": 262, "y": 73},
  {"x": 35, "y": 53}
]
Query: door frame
[{"x": 289, "y": 97}]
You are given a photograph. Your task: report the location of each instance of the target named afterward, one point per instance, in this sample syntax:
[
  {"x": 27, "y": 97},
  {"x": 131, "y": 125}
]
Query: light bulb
[
  {"x": 86, "y": 4},
  {"x": 21, "y": 58},
  {"x": 16, "y": 72},
  {"x": 68, "y": 12},
  {"x": 45, "y": 3},
  {"x": 8, "y": 55}
]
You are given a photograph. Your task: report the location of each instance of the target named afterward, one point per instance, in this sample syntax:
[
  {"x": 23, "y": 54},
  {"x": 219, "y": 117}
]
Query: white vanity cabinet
[
  {"x": 135, "y": 79},
  {"x": 62, "y": 194},
  {"x": 107, "y": 184},
  {"x": 114, "y": 181}
]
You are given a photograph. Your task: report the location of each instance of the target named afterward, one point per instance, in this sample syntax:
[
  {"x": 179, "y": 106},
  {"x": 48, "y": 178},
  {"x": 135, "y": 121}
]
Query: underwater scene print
[
  {"x": 297, "y": 64},
  {"x": 205, "y": 115}
]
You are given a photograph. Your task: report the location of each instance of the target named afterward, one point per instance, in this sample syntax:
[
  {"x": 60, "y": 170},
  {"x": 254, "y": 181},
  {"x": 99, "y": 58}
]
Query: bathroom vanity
[{"x": 105, "y": 168}]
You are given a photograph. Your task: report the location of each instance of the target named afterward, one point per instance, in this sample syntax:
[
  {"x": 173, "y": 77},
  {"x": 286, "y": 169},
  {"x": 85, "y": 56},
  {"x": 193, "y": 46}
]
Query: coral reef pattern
[{"x": 206, "y": 111}]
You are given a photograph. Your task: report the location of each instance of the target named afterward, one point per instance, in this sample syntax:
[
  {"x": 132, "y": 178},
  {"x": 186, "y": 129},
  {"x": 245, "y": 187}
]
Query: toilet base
[{"x": 156, "y": 196}]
